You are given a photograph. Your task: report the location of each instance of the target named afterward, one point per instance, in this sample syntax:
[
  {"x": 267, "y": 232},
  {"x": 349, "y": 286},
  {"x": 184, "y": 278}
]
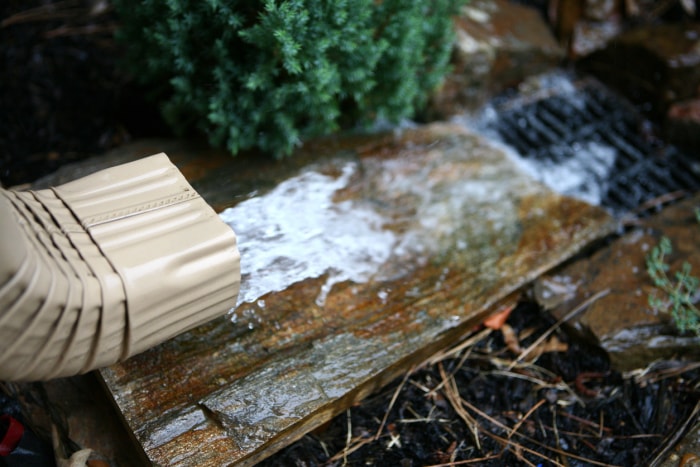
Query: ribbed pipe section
[{"x": 105, "y": 267}]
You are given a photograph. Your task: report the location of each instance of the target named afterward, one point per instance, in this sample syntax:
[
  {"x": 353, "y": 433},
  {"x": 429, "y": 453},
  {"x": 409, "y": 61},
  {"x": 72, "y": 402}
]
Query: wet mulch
[{"x": 487, "y": 401}]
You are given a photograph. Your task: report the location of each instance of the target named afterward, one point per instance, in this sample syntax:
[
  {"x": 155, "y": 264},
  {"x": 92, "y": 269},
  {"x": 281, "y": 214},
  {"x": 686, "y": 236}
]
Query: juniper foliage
[{"x": 271, "y": 73}]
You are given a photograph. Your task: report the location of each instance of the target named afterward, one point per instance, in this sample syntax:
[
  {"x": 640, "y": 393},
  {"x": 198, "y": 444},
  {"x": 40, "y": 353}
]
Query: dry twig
[
  {"x": 633, "y": 218},
  {"x": 556, "y": 325},
  {"x": 673, "y": 438},
  {"x": 529, "y": 439},
  {"x": 353, "y": 444},
  {"x": 469, "y": 342},
  {"x": 657, "y": 371},
  {"x": 452, "y": 394}
]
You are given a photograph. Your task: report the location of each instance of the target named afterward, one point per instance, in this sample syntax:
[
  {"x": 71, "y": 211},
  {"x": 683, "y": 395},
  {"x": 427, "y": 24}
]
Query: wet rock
[
  {"x": 582, "y": 26},
  {"x": 622, "y": 321},
  {"x": 499, "y": 44},
  {"x": 590, "y": 36},
  {"x": 655, "y": 64},
  {"x": 601, "y": 10},
  {"x": 360, "y": 257}
]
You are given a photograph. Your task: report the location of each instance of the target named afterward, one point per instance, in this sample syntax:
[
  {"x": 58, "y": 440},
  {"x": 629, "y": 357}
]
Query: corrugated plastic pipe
[{"x": 105, "y": 267}]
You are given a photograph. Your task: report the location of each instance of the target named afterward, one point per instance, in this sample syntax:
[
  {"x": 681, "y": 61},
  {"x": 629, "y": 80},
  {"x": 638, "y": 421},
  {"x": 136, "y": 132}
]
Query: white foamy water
[
  {"x": 296, "y": 232},
  {"x": 584, "y": 175}
]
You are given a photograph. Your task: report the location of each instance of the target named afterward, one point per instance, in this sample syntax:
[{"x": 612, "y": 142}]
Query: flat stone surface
[
  {"x": 633, "y": 334},
  {"x": 360, "y": 257}
]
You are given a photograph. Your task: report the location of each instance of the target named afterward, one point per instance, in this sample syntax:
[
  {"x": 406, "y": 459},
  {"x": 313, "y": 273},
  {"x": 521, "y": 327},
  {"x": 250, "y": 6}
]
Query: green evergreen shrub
[{"x": 269, "y": 74}]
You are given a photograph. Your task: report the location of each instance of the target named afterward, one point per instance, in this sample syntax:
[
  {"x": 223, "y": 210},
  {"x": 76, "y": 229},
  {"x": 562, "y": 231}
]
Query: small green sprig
[{"x": 680, "y": 290}]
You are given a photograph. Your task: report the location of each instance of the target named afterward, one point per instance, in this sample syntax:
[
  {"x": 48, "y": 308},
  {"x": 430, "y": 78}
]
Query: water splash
[
  {"x": 378, "y": 219},
  {"x": 584, "y": 175},
  {"x": 580, "y": 169},
  {"x": 297, "y": 231}
]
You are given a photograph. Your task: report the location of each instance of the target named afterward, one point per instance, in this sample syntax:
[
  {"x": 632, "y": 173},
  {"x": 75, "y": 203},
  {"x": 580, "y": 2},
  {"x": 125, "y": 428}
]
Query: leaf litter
[{"x": 527, "y": 391}]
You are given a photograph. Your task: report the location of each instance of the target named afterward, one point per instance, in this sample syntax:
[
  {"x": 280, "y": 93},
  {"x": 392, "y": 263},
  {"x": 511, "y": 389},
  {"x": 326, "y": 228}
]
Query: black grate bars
[{"x": 558, "y": 126}]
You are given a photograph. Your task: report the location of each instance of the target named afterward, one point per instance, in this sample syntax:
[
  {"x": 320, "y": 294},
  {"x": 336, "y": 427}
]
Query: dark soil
[
  {"x": 567, "y": 408},
  {"x": 63, "y": 95}
]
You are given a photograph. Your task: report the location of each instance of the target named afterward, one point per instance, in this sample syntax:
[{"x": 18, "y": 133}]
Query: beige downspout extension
[{"x": 102, "y": 268}]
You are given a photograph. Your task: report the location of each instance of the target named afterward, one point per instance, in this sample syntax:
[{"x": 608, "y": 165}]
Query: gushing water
[
  {"x": 398, "y": 214},
  {"x": 580, "y": 169},
  {"x": 583, "y": 176},
  {"x": 297, "y": 231}
]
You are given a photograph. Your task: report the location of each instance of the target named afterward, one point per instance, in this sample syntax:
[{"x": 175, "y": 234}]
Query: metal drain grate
[{"x": 624, "y": 166}]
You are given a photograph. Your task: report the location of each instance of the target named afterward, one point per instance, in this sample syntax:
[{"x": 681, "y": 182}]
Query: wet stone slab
[
  {"x": 633, "y": 333},
  {"x": 360, "y": 258}
]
